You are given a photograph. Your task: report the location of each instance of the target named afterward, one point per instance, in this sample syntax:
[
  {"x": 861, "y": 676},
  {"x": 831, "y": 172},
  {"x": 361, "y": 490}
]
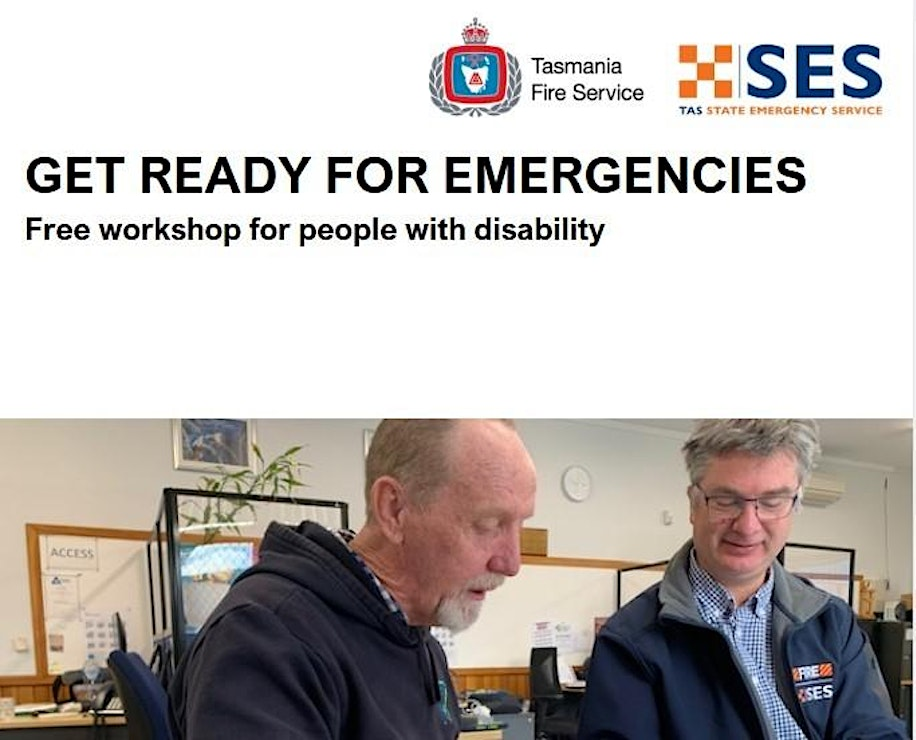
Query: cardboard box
[{"x": 534, "y": 541}]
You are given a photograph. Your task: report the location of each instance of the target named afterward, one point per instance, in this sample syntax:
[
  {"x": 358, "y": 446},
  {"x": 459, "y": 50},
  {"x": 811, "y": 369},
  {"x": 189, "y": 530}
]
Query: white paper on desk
[
  {"x": 565, "y": 671},
  {"x": 36, "y": 708}
]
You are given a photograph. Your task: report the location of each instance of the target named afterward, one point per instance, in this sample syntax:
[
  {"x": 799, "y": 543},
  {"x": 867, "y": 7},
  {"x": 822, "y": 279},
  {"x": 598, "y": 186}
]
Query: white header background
[{"x": 691, "y": 305}]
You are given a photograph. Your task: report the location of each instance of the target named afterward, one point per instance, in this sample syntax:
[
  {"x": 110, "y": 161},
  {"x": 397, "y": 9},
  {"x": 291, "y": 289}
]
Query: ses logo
[
  {"x": 768, "y": 79},
  {"x": 813, "y": 682},
  {"x": 475, "y": 78}
]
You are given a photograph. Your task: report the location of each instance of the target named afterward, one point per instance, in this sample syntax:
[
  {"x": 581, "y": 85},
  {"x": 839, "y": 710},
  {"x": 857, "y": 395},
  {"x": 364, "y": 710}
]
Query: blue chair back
[{"x": 146, "y": 705}]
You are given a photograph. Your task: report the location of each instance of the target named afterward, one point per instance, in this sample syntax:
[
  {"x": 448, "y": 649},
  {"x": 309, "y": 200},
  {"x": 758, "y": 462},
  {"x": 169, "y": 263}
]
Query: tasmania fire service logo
[{"x": 475, "y": 78}]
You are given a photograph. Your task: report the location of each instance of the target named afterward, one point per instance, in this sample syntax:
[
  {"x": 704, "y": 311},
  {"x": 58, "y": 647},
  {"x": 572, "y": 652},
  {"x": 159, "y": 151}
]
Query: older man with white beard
[{"x": 328, "y": 636}]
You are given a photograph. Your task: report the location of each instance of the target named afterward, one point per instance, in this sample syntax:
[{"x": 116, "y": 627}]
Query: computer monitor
[{"x": 120, "y": 633}]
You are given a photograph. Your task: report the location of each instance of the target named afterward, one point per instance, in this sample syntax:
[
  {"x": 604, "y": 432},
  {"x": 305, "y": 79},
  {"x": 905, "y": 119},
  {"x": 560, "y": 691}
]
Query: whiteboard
[{"x": 84, "y": 576}]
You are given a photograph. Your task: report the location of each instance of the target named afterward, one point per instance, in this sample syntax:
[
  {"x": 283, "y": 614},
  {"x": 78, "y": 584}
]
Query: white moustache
[{"x": 486, "y": 583}]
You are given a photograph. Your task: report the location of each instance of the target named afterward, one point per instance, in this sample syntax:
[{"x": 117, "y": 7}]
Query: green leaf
[{"x": 279, "y": 476}]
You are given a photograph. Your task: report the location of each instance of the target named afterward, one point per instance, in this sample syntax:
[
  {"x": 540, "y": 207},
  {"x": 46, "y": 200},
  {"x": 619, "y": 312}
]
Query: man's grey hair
[
  {"x": 417, "y": 452},
  {"x": 761, "y": 437}
]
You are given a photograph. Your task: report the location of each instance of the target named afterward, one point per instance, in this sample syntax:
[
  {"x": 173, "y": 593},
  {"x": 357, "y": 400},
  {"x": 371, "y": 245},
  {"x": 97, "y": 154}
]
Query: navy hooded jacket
[
  {"x": 659, "y": 671},
  {"x": 303, "y": 646}
]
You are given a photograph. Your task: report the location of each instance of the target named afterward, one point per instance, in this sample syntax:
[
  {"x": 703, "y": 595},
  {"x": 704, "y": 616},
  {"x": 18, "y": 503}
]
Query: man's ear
[{"x": 389, "y": 504}]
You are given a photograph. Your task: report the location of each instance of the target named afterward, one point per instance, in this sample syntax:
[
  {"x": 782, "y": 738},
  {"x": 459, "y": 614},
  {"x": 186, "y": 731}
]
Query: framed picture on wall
[{"x": 213, "y": 445}]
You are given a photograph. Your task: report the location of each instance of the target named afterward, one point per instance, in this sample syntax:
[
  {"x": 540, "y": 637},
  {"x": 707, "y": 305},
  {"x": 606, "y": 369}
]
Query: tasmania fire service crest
[{"x": 476, "y": 77}]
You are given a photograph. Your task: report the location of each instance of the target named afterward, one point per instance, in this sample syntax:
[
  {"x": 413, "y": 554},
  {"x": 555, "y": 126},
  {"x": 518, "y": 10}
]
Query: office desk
[
  {"x": 518, "y": 726},
  {"x": 481, "y": 735},
  {"x": 54, "y": 726}
]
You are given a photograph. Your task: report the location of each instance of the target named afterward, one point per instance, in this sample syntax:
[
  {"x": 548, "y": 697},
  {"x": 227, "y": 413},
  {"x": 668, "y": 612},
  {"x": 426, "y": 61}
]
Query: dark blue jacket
[
  {"x": 659, "y": 671},
  {"x": 303, "y": 646}
]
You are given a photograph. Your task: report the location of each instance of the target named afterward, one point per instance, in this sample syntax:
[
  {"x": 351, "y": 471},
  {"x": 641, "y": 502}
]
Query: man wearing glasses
[{"x": 728, "y": 644}]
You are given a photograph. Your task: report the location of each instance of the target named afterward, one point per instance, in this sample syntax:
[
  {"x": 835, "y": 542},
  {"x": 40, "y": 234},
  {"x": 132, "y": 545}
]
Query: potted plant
[{"x": 278, "y": 478}]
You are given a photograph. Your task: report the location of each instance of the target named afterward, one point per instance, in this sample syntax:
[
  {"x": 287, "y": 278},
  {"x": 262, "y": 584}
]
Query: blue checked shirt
[
  {"x": 748, "y": 630},
  {"x": 345, "y": 535}
]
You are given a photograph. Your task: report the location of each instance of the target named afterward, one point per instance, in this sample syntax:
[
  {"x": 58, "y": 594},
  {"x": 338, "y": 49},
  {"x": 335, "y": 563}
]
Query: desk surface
[
  {"x": 481, "y": 735},
  {"x": 56, "y": 719}
]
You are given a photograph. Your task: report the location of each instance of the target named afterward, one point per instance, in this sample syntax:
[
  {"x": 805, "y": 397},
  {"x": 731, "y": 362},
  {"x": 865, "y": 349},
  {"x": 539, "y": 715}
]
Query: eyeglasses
[{"x": 723, "y": 506}]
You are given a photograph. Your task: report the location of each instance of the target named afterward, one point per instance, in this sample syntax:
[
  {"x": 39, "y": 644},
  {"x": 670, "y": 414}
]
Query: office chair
[
  {"x": 555, "y": 714},
  {"x": 888, "y": 640},
  {"x": 146, "y": 705}
]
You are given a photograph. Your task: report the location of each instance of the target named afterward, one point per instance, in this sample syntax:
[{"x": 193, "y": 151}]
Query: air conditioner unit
[{"x": 823, "y": 491}]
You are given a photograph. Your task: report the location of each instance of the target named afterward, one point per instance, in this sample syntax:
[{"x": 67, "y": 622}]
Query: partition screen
[
  {"x": 831, "y": 569},
  {"x": 632, "y": 581},
  {"x": 200, "y": 543}
]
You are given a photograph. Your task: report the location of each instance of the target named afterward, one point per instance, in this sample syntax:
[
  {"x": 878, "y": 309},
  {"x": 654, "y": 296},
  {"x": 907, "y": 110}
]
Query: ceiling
[{"x": 886, "y": 443}]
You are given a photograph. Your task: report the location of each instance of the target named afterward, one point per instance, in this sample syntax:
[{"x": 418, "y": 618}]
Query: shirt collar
[
  {"x": 714, "y": 600},
  {"x": 346, "y": 536}
]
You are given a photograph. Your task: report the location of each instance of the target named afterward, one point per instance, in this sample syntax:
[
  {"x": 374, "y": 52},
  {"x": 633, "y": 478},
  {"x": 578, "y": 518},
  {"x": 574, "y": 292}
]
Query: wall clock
[{"x": 576, "y": 483}]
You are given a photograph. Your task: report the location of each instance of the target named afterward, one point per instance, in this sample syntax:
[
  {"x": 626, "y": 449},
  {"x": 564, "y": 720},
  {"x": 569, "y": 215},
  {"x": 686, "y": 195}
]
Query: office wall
[
  {"x": 638, "y": 474},
  {"x": 109, "y": 473}
]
